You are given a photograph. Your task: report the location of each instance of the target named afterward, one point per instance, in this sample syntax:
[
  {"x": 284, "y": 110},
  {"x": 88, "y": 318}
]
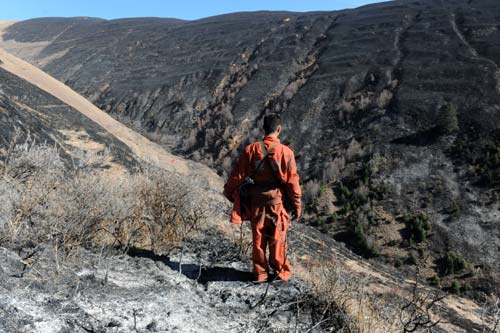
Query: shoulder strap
[
  {"x": 264, "y": 150},
  {"x": 266, "y": 154},
  {"x": 274, "y": 171}
]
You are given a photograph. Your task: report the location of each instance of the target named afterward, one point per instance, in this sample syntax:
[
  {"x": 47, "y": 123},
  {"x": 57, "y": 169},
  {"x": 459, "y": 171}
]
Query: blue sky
[{"x": 184, "y": 9}]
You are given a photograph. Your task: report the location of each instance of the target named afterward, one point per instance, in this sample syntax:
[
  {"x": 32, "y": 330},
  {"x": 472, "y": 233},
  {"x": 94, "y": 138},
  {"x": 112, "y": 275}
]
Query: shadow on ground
[
  {"x": 421, "y": 138},
  {"x": 201, "y": 274}
]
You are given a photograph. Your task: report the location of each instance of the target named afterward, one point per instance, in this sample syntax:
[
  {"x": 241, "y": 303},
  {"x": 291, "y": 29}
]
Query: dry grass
[
  {"x": 347, "y": 299},
  {"x": 72, "y": 205}
]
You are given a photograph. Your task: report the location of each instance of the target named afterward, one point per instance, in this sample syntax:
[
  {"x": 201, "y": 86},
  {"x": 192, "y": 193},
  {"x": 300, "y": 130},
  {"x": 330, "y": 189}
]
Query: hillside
[
  {"x": 66, "y": 165},
  {"x": 393, "y": 110},
  {"x": 74, "y": 188},
  {"x": 28, "y": 113}
]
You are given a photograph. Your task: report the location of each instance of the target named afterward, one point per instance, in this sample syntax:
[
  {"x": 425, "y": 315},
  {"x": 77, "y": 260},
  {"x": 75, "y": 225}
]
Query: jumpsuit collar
[{"x": 272, "y": 139}]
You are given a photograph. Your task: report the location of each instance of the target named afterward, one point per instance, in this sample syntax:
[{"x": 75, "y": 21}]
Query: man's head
[{"x": 272, "y": 124}]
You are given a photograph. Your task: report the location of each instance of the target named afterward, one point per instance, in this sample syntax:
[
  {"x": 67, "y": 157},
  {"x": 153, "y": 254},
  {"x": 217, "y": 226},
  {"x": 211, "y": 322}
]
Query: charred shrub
[
  {"x": 311, "y": 191},
  {"x": 479, "y": 152}
]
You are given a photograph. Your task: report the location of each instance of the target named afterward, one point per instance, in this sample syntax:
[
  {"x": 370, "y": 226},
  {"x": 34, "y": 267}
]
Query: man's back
[
  {"x": 270, "y": 166},
  {"x": 281, "y": 169}
]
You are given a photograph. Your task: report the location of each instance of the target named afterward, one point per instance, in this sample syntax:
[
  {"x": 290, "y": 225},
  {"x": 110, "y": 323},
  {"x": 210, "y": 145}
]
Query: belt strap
[{"x": 273, "y": 201}]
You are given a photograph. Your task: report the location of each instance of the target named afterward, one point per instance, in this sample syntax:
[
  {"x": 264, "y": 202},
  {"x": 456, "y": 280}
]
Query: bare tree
[
  {"x": 491, "y": 317},
  {"x": 417, "y": 314}
]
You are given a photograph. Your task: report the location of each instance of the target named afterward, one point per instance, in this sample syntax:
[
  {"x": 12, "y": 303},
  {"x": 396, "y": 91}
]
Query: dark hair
[{"x": 271, "y": 123}]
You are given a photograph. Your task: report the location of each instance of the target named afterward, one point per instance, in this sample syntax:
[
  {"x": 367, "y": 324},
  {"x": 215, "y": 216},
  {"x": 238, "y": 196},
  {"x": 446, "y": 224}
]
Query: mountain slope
[
  {"x": 140, "y": 146},
  {"x": 30, "y": 114},
  {"x": 307, "y": 243}
]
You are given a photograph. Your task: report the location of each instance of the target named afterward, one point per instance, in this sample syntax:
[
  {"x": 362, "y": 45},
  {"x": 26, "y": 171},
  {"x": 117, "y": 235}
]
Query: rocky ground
[
  {"x": 207, "y": 288},
  {"x": 143, "y": 292},
  {"x": 392, "y": 109}
]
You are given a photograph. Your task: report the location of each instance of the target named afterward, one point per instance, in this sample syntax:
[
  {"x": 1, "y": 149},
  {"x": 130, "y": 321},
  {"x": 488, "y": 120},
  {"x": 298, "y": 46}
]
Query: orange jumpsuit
[{"x": 268, "y": 217}]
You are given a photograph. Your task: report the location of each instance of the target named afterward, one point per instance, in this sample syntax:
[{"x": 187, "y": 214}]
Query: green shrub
[
  {"x": 465, "y": 287},
  {"x": 489, "y": 164},
  {"x": 434, "y": 281},
  {"x": 322, "y": 225},
  {"x": 334, "y": 217},
  {"x": 455, "y": 287},
  {"x": 455, "y": 210},
  {"x": 393, "y": 242},
  {"x": 411, "y": 260},
  {"x": 356, "y": 210},
  {"x": 344, "y": 193},
  {"x": 448, "y": 119},
  {"x": 452, "y": 263},
  {"x": 418, "y": 227},
  {"x": 359, "y": 241}
]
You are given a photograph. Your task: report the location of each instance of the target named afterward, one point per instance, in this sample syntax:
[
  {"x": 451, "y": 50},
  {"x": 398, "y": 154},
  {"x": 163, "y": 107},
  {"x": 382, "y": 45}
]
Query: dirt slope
[{"x": 142, "y": 147}]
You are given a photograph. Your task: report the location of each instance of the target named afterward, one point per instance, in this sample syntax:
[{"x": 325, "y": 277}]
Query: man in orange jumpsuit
[{"x": 273, "y": 179}]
